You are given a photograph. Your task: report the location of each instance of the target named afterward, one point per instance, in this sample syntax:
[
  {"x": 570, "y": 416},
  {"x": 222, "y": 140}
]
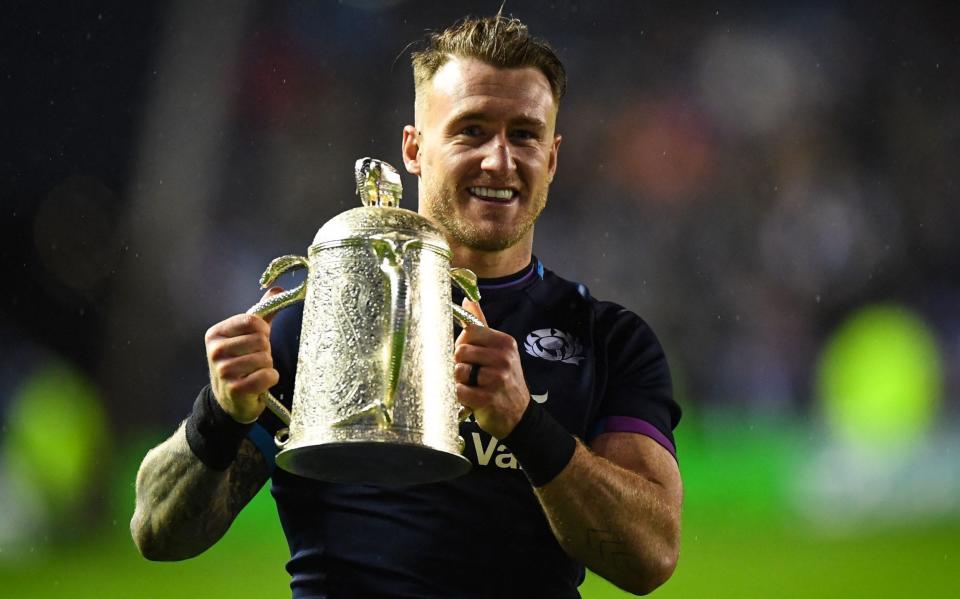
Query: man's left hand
[{"x": 500, "y": 396}]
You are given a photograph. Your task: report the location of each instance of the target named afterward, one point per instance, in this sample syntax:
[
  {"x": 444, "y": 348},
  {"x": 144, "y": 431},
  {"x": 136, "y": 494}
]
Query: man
[{"x": 538, "y": 502}]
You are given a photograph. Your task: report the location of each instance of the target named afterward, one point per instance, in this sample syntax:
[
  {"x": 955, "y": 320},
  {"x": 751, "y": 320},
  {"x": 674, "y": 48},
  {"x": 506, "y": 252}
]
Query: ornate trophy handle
[
  {"x": 466, "y": 280},
  {"x": 272, "y": 304}
]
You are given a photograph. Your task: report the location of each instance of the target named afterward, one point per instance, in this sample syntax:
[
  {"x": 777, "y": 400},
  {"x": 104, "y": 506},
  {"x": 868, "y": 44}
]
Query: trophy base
[{"x": 373, "y": 463}]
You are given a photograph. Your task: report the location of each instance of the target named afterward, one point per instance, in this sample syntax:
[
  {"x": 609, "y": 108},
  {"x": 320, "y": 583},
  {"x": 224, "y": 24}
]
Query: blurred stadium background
[{"x": 773, "y": 186}]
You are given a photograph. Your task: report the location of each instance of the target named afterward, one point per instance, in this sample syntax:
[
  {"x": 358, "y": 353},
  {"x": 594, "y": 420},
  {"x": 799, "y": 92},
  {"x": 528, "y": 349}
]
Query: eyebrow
[{"x": 523, "y": 121}]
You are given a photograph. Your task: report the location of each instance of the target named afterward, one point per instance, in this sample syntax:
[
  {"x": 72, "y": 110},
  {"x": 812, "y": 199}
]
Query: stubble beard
[{"x": 487, "y": 237}]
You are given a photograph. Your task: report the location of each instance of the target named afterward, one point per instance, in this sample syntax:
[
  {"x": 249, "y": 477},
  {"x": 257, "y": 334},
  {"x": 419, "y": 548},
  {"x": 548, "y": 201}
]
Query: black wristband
[
  {"x": 213, "y": 436},
  {"x": 541, "y": 444}
]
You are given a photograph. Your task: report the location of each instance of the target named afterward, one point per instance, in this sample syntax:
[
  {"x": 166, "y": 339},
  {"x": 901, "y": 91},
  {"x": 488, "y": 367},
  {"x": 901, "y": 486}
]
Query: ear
[
  {"x": 411, "y": 150},
  {"x": 552, "y": 161}
]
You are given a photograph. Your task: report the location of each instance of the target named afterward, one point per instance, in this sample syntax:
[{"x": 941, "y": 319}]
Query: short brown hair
[{"x": 499, "y": 41}]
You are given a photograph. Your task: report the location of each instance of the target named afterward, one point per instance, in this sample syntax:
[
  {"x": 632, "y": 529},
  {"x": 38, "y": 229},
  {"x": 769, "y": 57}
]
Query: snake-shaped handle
[
  {"x": 272, "y": 304},
  {"x": 466, "y": 280}
]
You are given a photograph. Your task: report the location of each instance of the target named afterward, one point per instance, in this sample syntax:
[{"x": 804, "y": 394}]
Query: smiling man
[
  {"x": 571, "y": 435},
  {"x": 485, "y": 150}
]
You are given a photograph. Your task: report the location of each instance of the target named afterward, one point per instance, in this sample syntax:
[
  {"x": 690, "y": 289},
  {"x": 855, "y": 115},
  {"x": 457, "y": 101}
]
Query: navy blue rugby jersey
[{"x": 594, "y": 365}]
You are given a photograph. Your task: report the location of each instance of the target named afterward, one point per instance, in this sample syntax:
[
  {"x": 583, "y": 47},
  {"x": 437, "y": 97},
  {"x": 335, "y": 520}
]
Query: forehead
[{"x": 467, "y": 85}]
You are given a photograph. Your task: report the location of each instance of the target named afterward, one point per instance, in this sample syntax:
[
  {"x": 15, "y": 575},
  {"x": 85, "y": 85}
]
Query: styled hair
[{"x": 499, "y": 41}]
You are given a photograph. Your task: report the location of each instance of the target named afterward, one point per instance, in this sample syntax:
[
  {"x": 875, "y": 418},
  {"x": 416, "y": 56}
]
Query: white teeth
[{"x": 489, "y": 192}]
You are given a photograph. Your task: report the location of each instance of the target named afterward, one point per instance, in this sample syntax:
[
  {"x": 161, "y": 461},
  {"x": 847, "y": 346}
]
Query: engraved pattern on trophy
[
  {"x": 348, "y": 333},
  {"x": 374, "y": 397}
]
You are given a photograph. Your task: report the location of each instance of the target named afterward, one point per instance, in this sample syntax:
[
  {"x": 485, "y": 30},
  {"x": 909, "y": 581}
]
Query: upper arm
[{"x": 644, "y": 456}]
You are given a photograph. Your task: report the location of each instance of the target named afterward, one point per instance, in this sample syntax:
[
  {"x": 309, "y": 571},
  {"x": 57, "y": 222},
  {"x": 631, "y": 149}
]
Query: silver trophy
[{"x": 374, "y": 400}]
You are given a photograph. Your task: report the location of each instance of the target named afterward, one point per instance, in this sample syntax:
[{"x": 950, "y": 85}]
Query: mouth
[{"x": 498, "y": 195}]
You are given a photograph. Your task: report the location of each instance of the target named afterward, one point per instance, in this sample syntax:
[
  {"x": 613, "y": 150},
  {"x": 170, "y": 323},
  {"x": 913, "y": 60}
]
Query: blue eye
[{"x": 471, "y": 131}]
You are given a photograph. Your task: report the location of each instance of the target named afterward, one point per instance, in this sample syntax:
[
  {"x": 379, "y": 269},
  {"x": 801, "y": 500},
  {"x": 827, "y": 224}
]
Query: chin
[{"x": 489, "y": 241}]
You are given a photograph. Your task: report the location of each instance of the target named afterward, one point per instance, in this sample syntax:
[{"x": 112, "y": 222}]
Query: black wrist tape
[
  {"x": 213, "y": 436},
  {"x": 541, "y": 444}
]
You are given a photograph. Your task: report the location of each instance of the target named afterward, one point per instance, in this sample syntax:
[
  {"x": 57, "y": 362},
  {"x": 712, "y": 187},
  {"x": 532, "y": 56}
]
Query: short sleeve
[{"x": 638, "y": 396}]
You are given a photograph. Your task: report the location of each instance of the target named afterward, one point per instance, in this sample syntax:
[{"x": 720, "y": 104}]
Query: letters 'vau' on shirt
[{"x": 593, "y": 365}]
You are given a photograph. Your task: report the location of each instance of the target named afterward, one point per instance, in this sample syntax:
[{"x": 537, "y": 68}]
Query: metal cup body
[{"x": 358, "y": 415}]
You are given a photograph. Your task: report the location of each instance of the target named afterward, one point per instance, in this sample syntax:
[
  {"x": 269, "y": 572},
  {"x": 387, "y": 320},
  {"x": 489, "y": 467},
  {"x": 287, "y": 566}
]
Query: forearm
[
  {"x": 183, "y": 506},
  {"x": 618, "y": 523}
]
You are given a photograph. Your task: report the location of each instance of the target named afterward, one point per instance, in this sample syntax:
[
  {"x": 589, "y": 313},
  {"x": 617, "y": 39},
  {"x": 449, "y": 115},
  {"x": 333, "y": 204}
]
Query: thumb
[
  {"x": 474, "y": 308},
  {"x": 270, "y": 293}
]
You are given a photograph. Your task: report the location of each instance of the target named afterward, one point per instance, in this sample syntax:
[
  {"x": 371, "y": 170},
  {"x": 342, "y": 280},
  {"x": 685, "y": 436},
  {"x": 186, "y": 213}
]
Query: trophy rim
[{"x": 375, "y": 463}]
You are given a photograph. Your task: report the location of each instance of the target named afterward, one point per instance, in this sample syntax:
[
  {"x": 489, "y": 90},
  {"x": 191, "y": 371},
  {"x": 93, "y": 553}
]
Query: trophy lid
[{"x": 379, "y": 188}]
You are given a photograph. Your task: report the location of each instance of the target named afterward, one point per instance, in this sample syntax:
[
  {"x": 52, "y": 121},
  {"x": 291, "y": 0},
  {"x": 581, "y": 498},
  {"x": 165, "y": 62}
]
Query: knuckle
[
  {"x": 465, "y": 394},
  {"x": 222, "y": 370},
  {"x": 215, "y": 351},
  {"x": 262, "y": 343},
  {"x": 258, "y": 324},
  {"x": 234, "y": 388},
  {"x": 273, "y": 376}
]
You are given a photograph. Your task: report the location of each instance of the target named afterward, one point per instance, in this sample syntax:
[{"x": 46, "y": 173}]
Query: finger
[
  {"x": 472, "y": 397},
  {"x": 237, "y": 368},
  {"x": 462, "y": 370},
  {"x": 484, "y": 336},
  {"x": 270, "y": 293},
  {"x": 477, "y": 354},
  {"x": 474, "y": 308},
  {"x": 254, "y": 383},
  {"x": 232, "y": 347},
  {"x": 239, "y": 324}
]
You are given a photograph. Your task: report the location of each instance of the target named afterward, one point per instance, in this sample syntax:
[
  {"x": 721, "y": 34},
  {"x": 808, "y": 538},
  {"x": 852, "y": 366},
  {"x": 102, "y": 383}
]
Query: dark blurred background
[{"x": 772, "y": 186}]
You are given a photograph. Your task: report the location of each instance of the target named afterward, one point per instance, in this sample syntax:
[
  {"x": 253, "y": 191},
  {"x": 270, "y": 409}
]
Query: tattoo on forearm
[
  {"x": 608, "y": 545},
  {"x": 247, "y": 475},
  {"x": 183, "y": 506}
]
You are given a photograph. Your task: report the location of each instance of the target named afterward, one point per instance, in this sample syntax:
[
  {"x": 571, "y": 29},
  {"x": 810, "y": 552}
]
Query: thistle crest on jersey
[{"x": 554, "y": 345}]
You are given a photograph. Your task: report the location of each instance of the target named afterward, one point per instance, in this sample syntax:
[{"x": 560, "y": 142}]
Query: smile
[{"x": 490, "y": 193}]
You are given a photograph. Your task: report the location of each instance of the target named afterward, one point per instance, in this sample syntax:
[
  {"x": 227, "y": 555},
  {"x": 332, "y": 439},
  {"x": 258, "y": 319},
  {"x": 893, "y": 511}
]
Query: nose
[{"x": 497, "y": 156}]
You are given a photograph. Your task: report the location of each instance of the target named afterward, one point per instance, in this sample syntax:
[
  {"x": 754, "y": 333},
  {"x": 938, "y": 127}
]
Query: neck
[{"x": 490, "y": 265}]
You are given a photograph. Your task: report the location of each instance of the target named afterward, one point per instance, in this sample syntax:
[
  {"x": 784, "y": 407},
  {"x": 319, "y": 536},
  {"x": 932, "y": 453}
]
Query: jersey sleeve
[
  {"x": 638, "y": 394},
  {"x": 284, "y": 345}
]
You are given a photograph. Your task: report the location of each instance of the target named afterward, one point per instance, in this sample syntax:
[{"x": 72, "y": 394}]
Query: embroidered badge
[{"x": 554, "y": 345}]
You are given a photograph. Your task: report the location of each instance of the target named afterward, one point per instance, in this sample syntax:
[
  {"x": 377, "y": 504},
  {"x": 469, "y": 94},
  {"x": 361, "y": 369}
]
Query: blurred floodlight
[
  {"x": 55, "y": 439},
  {"x": 880, "y": 378}
]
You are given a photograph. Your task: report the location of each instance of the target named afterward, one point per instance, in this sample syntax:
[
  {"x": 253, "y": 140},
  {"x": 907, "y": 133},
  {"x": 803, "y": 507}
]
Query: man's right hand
[{"x": 241, "y": 364}]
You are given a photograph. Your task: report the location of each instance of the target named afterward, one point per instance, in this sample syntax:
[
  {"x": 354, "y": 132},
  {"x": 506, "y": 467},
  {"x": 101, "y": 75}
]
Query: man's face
[{"x": 485, "y": 151}]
